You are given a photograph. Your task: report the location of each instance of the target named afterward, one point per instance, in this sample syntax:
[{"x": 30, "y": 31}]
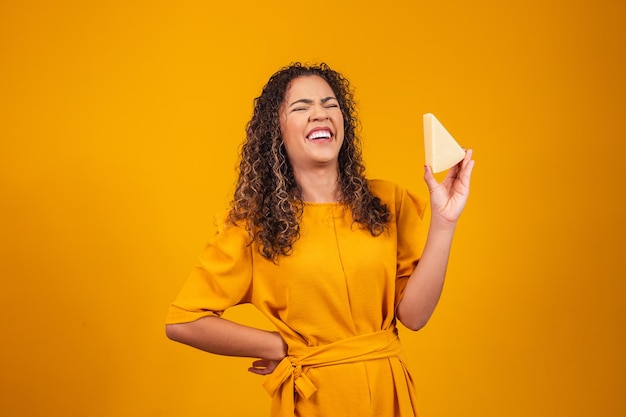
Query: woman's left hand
[{"x": 448, "y": 198}]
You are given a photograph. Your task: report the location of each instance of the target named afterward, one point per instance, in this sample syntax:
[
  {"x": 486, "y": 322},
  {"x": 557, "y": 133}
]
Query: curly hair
[{"x": 267, "y": 199}]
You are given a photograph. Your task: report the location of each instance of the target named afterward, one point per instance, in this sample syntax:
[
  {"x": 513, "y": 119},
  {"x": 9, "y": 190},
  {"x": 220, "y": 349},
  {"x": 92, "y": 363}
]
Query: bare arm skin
[
  {"x": 447, "y": 200},
  {"x": 224, "y": 337}
]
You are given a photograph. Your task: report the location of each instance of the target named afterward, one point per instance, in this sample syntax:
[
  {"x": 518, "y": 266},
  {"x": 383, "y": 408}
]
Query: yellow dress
[{"x": 333, "y": 301}]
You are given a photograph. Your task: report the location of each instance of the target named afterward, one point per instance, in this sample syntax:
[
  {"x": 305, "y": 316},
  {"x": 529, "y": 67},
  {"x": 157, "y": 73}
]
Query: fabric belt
[{"x": 288, "y": 377}]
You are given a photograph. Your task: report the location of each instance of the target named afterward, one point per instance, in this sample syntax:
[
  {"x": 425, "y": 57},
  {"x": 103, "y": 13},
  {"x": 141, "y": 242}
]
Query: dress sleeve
[
  {"x": 412, "y": 214},
  {"x": 221, "y": 279}
]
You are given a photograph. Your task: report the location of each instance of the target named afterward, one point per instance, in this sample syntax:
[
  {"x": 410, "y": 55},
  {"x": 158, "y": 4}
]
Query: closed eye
[{"x": 330, "y": 102}]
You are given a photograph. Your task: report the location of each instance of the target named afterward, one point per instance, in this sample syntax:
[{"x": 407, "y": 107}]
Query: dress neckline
[{"x": 322, "y": 204}]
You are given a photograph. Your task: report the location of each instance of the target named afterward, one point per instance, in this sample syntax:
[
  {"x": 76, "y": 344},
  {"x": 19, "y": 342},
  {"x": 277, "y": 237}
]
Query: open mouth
[{"x": 320, "y": 134}]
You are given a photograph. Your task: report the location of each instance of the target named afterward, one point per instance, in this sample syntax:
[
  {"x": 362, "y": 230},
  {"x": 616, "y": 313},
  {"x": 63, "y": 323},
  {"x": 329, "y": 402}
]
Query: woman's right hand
[
  {"x": 267, "y": 366},
  {"x": 263, "y": 366}
]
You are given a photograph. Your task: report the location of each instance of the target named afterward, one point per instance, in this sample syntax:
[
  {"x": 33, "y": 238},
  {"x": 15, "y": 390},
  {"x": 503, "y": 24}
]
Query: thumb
[{"x": 429, "y": 178}]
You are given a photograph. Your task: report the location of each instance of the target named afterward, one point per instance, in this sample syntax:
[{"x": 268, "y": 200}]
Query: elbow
[
  {"x": 173, "y": 332},
  {"x": 413, "y": 323},
  {"x": 411, "y": 317}
]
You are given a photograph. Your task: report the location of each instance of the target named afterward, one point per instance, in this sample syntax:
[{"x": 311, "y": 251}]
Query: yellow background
[{"x": 120, "y": 123}]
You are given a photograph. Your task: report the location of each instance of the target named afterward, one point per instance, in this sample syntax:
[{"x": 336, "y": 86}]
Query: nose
[{"x": 319, "y": 113}]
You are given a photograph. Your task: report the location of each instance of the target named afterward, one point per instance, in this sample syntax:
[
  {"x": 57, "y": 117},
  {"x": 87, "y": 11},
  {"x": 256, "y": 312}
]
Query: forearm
[
  {"x": 224, "y": 337},
  {"x": 425, "y": 284}
]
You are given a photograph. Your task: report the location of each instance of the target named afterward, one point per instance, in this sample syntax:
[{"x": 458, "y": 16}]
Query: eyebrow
[{"x": 309, "y": 101}]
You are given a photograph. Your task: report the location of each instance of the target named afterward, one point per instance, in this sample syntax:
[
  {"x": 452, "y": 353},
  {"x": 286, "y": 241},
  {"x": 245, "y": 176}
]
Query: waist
[
  {"x": 352, "y": 349},
  {"x": 289, "y": 374}
]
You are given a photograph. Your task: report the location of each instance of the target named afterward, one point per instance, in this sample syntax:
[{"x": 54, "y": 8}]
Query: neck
[{"x": 319, "y": 186}]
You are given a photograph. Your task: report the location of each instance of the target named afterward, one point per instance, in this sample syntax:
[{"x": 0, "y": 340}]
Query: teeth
[{"x": 320, "y": 134}]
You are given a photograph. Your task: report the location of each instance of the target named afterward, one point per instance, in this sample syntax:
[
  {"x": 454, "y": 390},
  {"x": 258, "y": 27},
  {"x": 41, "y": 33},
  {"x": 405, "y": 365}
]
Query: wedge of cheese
[{"x": 441, "y": 150}]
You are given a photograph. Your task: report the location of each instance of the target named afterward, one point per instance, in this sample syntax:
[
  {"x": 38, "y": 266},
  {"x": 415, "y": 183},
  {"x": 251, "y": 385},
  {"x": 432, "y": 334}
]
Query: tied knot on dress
[
  {"x": 302, "y": 384},
  {"x": 289, "y": 377},
  {"x": 290, "y": 372}
]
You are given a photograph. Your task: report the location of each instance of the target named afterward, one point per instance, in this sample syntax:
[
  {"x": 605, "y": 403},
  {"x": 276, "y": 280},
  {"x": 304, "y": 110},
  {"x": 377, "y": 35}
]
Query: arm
[
  {"x": 425, "y": 284},
  {"x": 224, "y": 337}
]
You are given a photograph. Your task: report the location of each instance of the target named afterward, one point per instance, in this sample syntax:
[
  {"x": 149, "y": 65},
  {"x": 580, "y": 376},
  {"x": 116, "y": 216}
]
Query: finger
[
  {"x": 431, "y": 182},
  {"x": 260, "y": 371},
  {"x": 453, "y": 173},
  {"x": 468, "y": 157},
  {"x": 467, "y": 165},
  {"x": 259, "y": 363},
  {"x": 467, "y": 172}
]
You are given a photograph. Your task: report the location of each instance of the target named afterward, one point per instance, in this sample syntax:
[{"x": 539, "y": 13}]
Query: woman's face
[{"x": 311, "y": 123}]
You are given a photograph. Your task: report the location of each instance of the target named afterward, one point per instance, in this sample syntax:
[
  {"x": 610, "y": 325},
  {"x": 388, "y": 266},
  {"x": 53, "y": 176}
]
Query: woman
[{"x": 332, "y": 259}]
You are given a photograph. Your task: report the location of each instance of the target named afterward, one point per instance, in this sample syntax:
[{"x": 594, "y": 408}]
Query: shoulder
[
  {"x": 227, "y": 230},
  {"x": 386, "y": 190},
  {"x": 396, "y": 196}
]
